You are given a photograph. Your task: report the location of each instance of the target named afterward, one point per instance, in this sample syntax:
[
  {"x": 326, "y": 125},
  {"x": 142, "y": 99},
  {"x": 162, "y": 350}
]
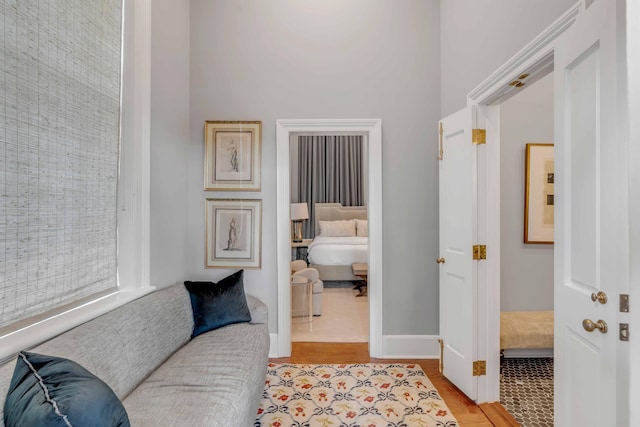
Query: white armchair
[{"x": 302, "y": 274}]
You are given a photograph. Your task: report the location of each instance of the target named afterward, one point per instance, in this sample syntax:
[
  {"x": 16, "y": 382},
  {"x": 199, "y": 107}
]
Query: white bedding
[{"x": 338, "y": 250}]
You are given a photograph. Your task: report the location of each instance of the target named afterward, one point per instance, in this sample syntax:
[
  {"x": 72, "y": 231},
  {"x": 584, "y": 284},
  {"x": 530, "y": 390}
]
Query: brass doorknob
[
  {"x": 590, "y": 326},
  {"x": 601, "y": 297},
  {"x": 440, "y": 260}
]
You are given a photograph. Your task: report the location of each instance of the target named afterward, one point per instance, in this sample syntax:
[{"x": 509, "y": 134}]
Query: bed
[
  {"x": 341, "y": 240},
  {"x": 526, "y": 333}
]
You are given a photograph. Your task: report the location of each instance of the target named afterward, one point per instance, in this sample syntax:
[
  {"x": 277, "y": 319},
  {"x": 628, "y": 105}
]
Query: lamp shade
[{"x": 299, "y": 211}]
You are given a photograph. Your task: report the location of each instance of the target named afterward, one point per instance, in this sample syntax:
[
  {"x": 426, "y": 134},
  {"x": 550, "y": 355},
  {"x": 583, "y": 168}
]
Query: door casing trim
[
  {"x": 372, "y": 128},
  {"x": 536, "y": 59}
]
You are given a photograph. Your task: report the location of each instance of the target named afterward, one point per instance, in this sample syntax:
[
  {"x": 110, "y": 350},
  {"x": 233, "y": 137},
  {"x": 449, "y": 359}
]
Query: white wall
[
  {"x": 287, "y": 59},
  {"x": 247, "y": 60},
  {"x": 169, "y": 140},
  {"x": 526, "y": 269},
  {"x": 479, "y": 36}
]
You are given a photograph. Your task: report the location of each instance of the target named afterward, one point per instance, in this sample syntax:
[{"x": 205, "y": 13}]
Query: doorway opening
[
  {"x": 527, "y": 252},
  {"x": 531, "y": 63},
  {"x": 591, "y": 236},
  {"x": 372, "y": 130},
  {"x": 329, "y": 181}
]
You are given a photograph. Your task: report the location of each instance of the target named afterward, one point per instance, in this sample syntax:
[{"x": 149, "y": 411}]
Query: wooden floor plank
[
  {"x": 498, "y": 415},
  {"x": 465, "y": 410}
]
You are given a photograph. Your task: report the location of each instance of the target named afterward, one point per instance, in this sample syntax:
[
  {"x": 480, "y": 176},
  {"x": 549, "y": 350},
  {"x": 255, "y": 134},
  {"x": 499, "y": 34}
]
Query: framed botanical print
[
  {"x": 233, "y": 233},
  {"x": 232, "y": 155},
  {"x": 539, "y": 194}
]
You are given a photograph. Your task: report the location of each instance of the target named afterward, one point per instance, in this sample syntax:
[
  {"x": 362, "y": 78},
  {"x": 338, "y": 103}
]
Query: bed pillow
[
  {"x": 339, "y": 228},
  {"x": 218, "y": 304},
  {"x": 362, "y": 228},
  {"x": 53, "y": 391}
]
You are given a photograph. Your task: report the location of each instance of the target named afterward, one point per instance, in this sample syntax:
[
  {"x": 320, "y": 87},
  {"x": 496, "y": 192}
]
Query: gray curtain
[{"x": 330, "y": 171}]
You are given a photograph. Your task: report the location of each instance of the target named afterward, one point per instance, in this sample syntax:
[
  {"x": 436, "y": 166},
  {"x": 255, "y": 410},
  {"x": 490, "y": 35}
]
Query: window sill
[{"x": 38, "y": 332}]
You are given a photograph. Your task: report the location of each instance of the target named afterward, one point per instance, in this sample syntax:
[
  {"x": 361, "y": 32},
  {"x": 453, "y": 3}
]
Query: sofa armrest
[{"x": 259, "y": 312}]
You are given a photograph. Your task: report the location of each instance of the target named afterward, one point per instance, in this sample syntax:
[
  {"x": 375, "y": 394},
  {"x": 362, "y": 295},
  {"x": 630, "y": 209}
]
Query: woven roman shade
[{"x": 60, "y": 73}]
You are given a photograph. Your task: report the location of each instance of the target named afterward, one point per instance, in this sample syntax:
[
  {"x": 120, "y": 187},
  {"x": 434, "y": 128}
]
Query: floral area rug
[{"x": 368, "y": 395}]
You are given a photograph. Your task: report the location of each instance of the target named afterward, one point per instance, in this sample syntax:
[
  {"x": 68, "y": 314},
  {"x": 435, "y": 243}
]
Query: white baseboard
[
  {"x": 527, "y": 352},
  {"x": 273, "y": 346},
  {"x": 410, "y": 347}
]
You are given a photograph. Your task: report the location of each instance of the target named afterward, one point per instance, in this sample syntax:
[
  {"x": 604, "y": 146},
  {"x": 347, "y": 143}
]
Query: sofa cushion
[
  {"x": 53, "y": 391},
  {"x": 259, "y": 311},
  {"x": 217, "y": 379},
  {"x": 110, "y": 346},
  {"x": 218, "y": 304}
]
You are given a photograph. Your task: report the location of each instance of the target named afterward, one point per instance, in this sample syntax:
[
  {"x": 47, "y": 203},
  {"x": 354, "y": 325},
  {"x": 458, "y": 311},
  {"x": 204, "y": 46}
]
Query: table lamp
[{"x": 299, "y": 212}]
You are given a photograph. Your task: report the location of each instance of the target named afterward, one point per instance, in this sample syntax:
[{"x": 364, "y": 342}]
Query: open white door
[
  {"x": 591, "y": 251},
  {"x": 458, "y": 270}
]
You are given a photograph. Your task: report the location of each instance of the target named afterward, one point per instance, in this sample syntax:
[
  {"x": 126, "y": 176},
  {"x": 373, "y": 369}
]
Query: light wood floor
[
  {"x": 340, "y": 307},
  {"x": 466, "y": 411}
]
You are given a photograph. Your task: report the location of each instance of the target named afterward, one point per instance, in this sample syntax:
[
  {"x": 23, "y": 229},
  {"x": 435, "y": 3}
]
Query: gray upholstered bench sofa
[{"x": 144, "y": 352}]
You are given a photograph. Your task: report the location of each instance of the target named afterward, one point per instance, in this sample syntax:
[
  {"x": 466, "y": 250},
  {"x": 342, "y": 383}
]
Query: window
[{"x": 60, "y": 117}]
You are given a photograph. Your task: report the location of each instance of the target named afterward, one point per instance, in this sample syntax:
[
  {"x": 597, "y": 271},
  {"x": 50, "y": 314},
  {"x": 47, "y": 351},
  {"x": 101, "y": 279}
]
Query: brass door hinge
[
  {"x": 441, "y": 362},
  {"x": 479, "y": 252},
  {"x": 479, "y": 136},
  {"x": 479, "y": 368}
]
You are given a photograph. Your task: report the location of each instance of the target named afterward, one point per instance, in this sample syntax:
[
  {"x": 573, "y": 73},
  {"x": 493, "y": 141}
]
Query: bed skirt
[{"x": 335, "y": 272}]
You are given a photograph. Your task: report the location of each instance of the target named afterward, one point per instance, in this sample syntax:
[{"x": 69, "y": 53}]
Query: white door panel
[
  {"x": 457, "y": 237},
  {"x": 590, "y": 235},
  {"x": 583, "y": 146},
  {"x": 584, "y": 356}
]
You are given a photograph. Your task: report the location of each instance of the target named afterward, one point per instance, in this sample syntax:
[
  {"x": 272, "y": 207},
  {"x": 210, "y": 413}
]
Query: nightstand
[{"x": 297, "y": 246}]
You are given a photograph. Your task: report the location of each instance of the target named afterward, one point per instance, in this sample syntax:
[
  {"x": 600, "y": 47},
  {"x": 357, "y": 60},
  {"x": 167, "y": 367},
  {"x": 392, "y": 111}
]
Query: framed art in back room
[
  {"x": 233, "y": 233},
  {"x": 539, "y": 193},
  {"x": 232, "y": 155}
]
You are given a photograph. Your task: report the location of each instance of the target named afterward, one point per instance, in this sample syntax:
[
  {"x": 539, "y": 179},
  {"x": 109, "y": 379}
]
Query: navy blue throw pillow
[
  {"x": 218, "y": 304},
  {"x": 52, "y": 391}
]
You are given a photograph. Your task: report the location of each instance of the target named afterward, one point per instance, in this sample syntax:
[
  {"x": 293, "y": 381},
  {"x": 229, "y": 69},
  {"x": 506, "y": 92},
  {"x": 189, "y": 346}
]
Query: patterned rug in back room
[{"x": 368, "y": 395}]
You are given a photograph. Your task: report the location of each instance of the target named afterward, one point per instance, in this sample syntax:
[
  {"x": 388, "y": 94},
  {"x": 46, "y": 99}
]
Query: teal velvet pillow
[
  {"x": 52, "y": 391},
  {"x": 218, "y": 304}
]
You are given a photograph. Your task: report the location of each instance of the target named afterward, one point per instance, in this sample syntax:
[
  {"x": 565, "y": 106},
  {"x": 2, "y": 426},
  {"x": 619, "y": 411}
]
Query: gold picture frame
[
  {"x": 233, "y": 233},
  {"x": 232, "y": 155},
  {"x": 539, "y": 194}
]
